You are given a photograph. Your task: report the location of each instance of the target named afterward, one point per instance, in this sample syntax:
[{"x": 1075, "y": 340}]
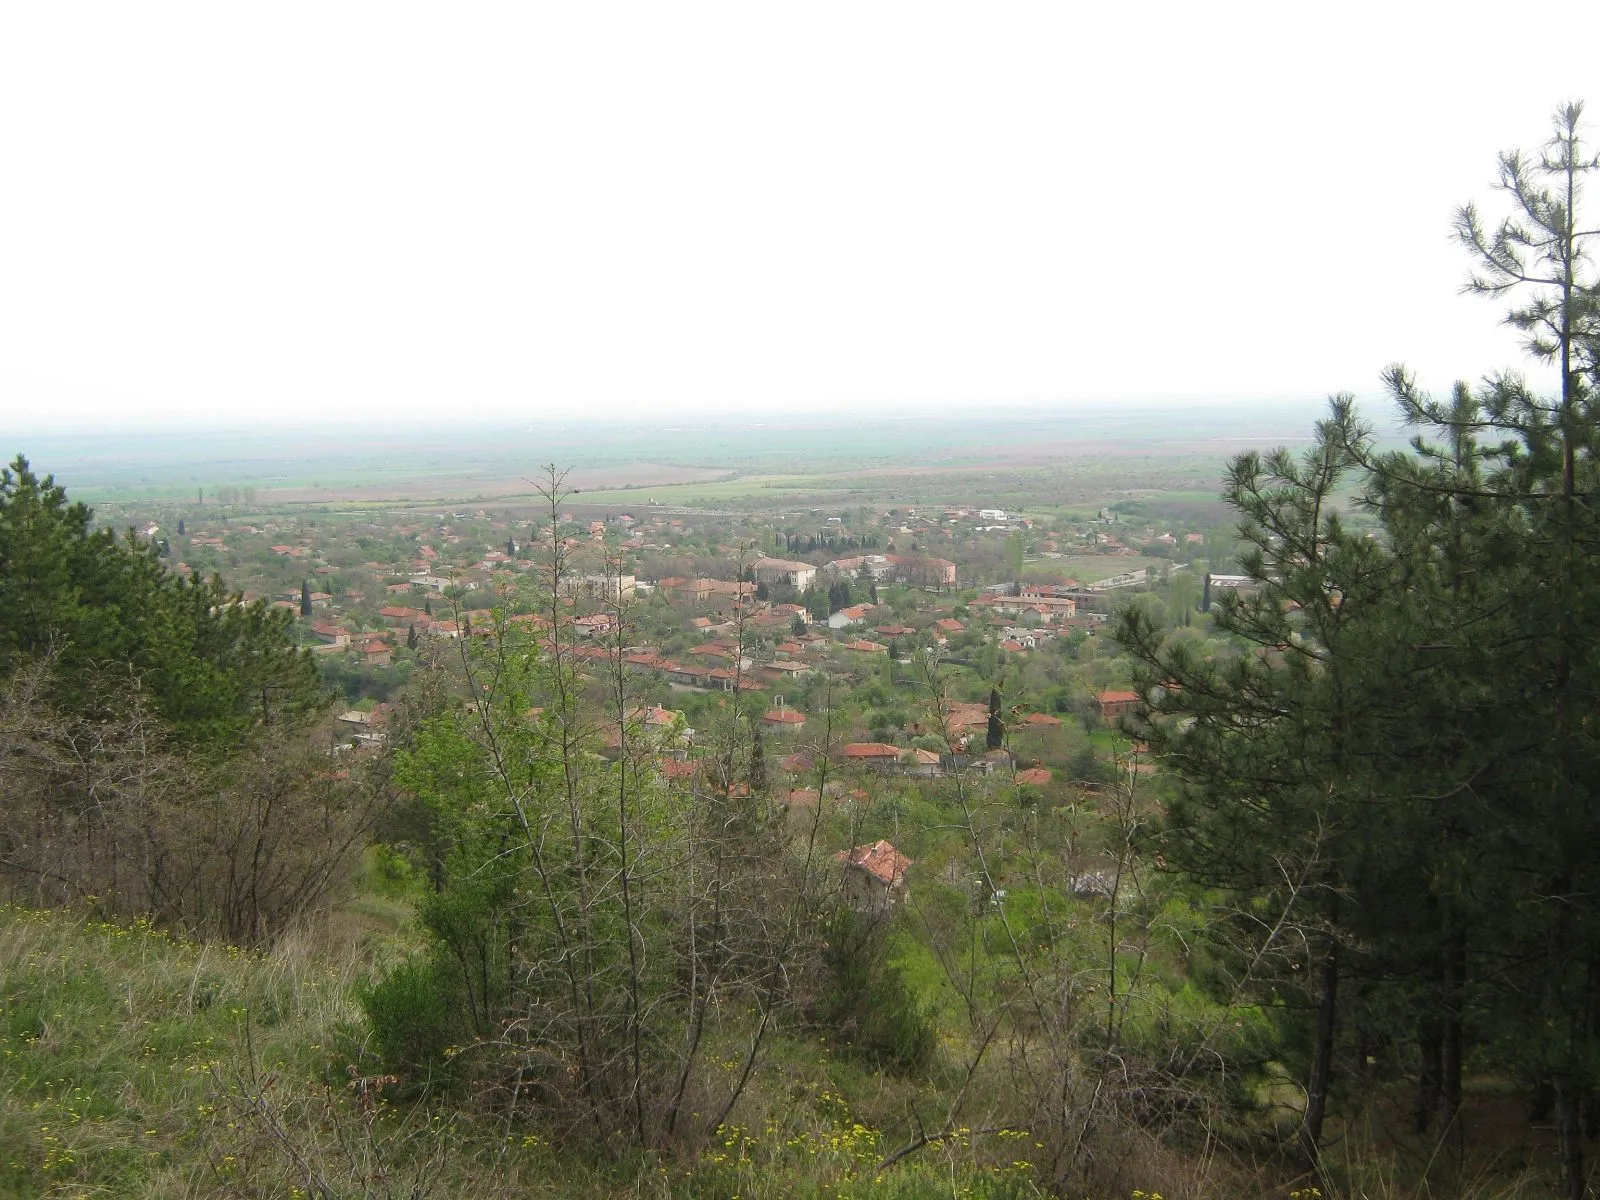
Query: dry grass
[{"x": 132, "y": 1064}]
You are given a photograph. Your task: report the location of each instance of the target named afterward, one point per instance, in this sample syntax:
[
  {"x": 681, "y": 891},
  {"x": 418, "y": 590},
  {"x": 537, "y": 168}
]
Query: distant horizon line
[{"x": 720, "y": 415}]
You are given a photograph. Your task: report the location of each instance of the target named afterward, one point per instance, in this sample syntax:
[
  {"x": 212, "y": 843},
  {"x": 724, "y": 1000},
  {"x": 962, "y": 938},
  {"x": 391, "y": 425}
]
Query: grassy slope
[
  {"x": 112, "y": 1039},
  {"x": 132, "y": 1064},
  {"x": 135, "y": 1065}
]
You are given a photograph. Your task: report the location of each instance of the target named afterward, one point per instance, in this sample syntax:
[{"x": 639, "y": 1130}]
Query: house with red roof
[
  {"x": 878, "y": 755},
  {"x": 785, "y": 720},
  {"x": 856, "y": 614},
  {"x": 875, "y": 874},
  {"x": 1115, "y": 704},
  {"x": 862, "y": 646}
]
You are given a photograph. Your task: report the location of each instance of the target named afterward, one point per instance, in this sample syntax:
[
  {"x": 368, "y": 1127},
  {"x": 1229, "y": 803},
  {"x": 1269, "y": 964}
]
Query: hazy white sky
[{"x": 215, "y": 212}]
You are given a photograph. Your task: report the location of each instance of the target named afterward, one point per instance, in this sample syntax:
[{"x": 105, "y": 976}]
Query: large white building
[{"x": 781, "y": 570}]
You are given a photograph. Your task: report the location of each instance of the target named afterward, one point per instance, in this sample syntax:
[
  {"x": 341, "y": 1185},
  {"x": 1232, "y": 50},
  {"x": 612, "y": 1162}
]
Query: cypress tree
[{"x": 995, "y": 735}]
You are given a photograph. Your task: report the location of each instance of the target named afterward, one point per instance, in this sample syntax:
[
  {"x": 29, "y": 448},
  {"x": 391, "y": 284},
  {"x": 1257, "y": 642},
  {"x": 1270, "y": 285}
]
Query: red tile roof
[
  {"x": 871, "y": 750},
  {"x": 880, "y": 860},
  {"x": 1116, "y": 697}
]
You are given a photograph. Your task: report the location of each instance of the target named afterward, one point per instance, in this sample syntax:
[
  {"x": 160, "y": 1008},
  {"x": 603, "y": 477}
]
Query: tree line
[
  {"x": 1388, "y": 790},
  {"x": 160, "y": 744}
]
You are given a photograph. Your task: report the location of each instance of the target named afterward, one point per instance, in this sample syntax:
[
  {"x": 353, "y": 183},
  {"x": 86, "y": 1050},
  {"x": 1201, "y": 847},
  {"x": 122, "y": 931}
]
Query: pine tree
[
  {"x": 1404, "y": 762},
  {"x": 411, "y": 637},
  {"x": 180, "y": 527},
  {"x": 1270, "y": 741},
  {"x": 305, "y": 597},
  {"x": 1533, "y": 498},
  {"x": 995, "y": 736},
  {"x": 214, "y": 665}
]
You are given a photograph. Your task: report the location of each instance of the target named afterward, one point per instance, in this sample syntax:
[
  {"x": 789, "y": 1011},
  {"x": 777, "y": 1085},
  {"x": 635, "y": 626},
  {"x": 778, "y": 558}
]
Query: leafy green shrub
[
  {"x": 413, "y": 1014},
  {"x": 870, "y": 1002}
]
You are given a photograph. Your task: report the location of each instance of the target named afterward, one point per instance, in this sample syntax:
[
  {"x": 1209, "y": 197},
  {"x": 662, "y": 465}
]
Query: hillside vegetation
[{"x": 1317, "y": 912}]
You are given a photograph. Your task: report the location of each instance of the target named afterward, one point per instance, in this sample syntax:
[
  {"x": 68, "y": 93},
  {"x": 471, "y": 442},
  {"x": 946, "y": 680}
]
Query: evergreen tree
[
  {"x": 995, "y": 735},
  {"x": 214, "y": 665},
  {"x": 411, "y": 637},
  {"x": 180, "y": 527},
  {"x": 1403, "y": 763},
  {"x": 1267, "y": 745},
  {"x": 305, "y": 597}
]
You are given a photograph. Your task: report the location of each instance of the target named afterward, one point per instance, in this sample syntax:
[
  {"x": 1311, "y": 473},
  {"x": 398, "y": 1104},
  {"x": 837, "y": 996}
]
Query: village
[{"x": 826, "y": 623}]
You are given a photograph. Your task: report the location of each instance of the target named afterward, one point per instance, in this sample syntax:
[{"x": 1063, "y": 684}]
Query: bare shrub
[{"x": 109, "y": 810}]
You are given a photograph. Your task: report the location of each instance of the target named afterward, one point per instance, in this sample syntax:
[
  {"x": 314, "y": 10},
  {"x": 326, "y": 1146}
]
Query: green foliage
[
  {"x": 215, "y": 665},
  {"x": 1397, "y": 759},
  {"x": 415, "y": 1013},
  {"x": 868, "y": 1000}
]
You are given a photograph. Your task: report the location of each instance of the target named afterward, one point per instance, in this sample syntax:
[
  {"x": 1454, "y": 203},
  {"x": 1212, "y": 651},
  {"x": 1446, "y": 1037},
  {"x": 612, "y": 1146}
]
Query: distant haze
[{"x": 218, "y": 216}]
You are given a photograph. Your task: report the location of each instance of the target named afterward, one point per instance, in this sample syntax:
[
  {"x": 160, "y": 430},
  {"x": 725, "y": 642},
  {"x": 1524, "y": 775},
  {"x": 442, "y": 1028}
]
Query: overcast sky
[{"x": 218, "y": 212}]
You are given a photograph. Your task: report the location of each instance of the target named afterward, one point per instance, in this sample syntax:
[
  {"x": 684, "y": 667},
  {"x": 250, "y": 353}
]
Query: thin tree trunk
[
  {"x": 1430, "y": 1044},
  {"x": 1569, "y": 1134},
  {"x": 1454, "y": 1048},
  {"x": 1321, "y": 1053}
]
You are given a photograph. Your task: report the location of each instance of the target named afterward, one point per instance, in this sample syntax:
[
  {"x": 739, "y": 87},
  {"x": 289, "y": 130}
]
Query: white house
[
  {"x": 780, "y": 570},
  {"x": 438, "y": 583},
  {"x": 845, "y": 617}
]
